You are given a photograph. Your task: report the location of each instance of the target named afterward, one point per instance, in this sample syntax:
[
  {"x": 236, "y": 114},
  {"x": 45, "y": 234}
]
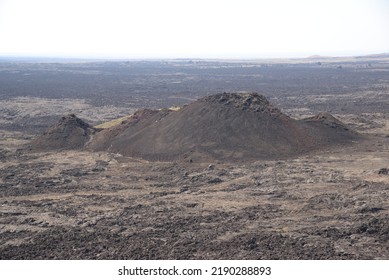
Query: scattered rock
[
  {"x": 383, "y": 171},
  {"x": 361, "y": 186},
  {"x": 370, "y": 209},
  {"x": 191, "y": 204},
  {"x": 215, "y": 180}
]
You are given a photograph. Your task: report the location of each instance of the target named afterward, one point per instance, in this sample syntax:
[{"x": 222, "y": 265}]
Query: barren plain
[{"x": 331, "y": 203}]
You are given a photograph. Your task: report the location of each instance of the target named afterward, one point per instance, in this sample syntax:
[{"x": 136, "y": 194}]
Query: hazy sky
[{"x": 193, "y": 28}]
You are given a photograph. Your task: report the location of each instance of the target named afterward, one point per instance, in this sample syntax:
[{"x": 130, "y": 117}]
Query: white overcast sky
[{"x": 193, "y": 28}]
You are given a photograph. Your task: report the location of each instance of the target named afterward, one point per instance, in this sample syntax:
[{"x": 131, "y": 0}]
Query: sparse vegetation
[{"x": 113, "y": 122}]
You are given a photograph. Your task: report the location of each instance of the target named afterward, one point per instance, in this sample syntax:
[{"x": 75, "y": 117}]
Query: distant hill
[
  {"x": 228, "y": 126},
  {"x": 383, "y": 56},
  {"x": 380, "y": 55},
  {"x": 316, "y": 56}
]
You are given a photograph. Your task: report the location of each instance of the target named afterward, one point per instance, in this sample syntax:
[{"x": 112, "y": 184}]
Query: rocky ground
[
  {"x": 328, "y": 204},
  {"x": 83, "y": 205}
]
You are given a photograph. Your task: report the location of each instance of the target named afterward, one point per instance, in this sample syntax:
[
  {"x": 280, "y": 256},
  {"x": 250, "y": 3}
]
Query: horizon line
[{"x": 232, "y": 58}]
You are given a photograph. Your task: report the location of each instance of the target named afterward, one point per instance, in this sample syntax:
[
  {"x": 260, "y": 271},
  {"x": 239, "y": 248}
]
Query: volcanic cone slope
[
  {"x": 227, "y": 126},
  {"x": 68, "y": 134},
  {"x": 103, "y": 140}
]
